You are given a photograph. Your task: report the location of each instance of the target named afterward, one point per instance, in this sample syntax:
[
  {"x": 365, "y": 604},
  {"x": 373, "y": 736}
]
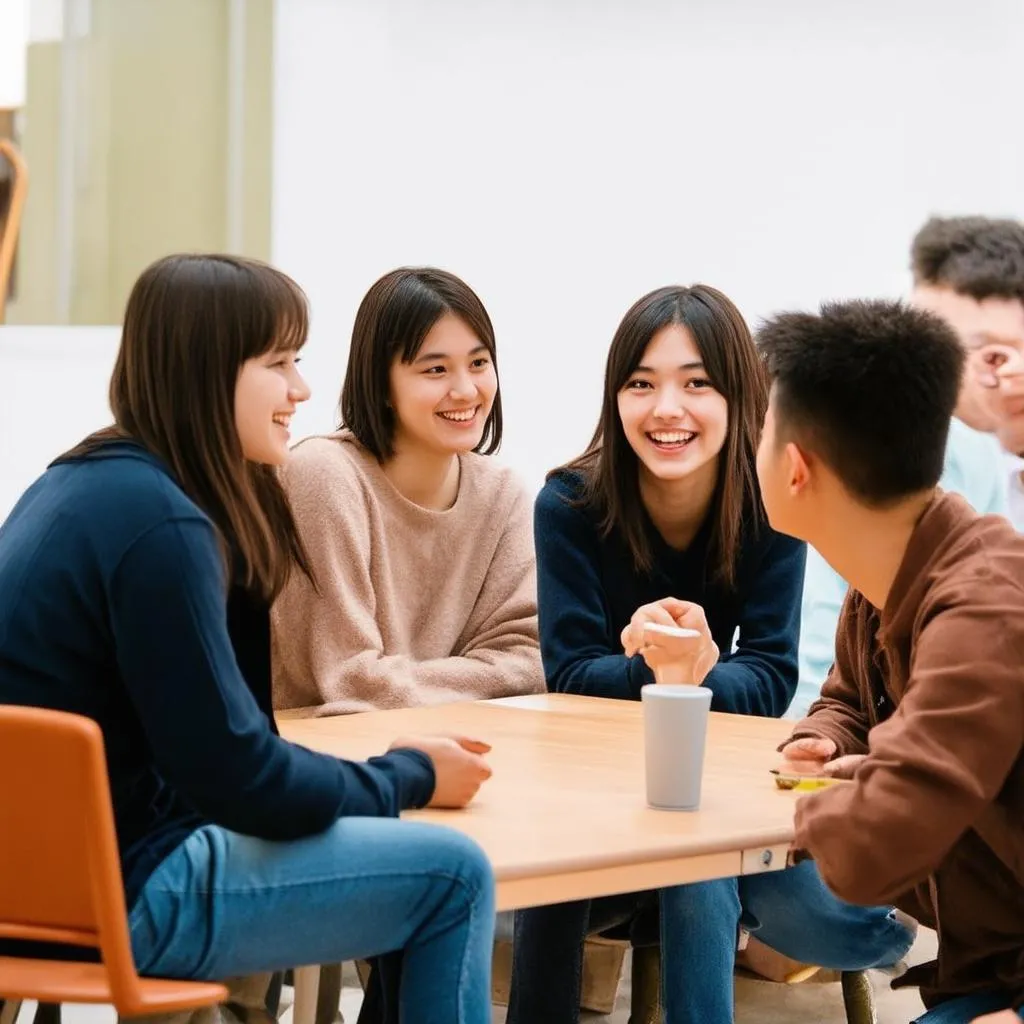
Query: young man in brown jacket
[{"x": 924, "y": 707}]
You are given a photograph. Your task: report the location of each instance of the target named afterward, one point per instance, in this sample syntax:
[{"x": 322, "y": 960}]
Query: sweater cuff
[
  {"x": 639, "y": 675},
  {"x": 413, "y": 776}
]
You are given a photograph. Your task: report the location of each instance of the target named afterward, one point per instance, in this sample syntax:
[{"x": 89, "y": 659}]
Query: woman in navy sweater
[
  {"x": 660, "y": 520},
  {"x": 241, "y": 853}
]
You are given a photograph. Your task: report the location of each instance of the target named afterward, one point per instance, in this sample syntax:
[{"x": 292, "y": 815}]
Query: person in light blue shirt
[
  {"x": 970, "y": 272},
  {"x": 974, "y": 469}
]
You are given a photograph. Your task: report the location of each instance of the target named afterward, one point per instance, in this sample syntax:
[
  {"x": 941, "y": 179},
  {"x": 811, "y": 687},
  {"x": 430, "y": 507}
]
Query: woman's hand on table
[
  {"x": 459, "y": 766},
  {"x": 692, "y": 657}
]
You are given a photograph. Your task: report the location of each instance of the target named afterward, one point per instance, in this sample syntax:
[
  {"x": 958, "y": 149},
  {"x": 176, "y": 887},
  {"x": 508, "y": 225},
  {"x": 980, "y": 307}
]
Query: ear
[{"x": 798, "y": 469}]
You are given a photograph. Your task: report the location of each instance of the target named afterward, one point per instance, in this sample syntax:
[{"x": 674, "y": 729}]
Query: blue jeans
[
  {"x": 966, "y": 1008},
  {"x": 792, "y": 911},
  {"x": 224, "y": 904}
]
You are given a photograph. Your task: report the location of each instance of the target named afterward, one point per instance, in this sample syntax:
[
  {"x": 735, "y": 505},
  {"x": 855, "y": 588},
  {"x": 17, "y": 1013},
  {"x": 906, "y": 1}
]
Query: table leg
[{"x": 307, "y": 989}]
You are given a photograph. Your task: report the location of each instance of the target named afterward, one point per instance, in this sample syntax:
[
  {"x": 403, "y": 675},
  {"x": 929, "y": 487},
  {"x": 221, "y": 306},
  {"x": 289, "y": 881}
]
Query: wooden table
[{"x": 564, "y": 815}]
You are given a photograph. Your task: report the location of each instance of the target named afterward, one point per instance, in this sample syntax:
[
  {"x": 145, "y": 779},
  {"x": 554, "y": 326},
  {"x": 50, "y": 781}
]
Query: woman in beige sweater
[{"x": 421, "y": 546}]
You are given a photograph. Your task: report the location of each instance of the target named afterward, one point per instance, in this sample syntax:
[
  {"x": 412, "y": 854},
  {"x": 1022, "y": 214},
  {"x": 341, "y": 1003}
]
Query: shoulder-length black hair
[
  {"x": 609, "y": 466},
  {"x": 394, "y": 317}
]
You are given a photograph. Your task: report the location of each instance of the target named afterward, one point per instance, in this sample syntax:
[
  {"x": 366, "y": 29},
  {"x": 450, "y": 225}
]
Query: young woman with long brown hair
[
  {"x": 136, "y": 576},
  {"x": 660, "y": 520}
]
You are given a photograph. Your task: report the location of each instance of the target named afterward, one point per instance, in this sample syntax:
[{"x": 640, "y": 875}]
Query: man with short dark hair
[
  {"x": 970, "y": 272},
  {"x": 924, "y": 707}
]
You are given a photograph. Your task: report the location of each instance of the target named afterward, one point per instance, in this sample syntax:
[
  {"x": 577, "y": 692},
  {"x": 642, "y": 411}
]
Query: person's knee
[
  {"x": 799, "y": 892},
  {"x": 873, "y": 929},
  {"x": 460, "y": 860},
  {"x": 476, "y": 866},
  {"x": 859, "y": 938}
]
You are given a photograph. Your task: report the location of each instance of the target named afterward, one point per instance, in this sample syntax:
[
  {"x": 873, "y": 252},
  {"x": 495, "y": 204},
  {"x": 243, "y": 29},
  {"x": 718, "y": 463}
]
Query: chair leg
[
  {"x": 363, "y": 973},
  {"x": 645, "y": 1003},
  {"x": 247, "y": 999},
  {"x": 9, "y": 1010},
  {"x": 273, "y": 997},
  {"x": 307, "y": 986},
  {"x": 858, "y": 998},
  {"x": 328, "y": 997}
]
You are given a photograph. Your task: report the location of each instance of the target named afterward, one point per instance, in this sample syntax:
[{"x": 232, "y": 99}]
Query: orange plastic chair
[{"x": 60, "y": 875}]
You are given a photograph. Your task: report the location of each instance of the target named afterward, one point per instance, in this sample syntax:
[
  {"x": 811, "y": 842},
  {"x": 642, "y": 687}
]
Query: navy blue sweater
[
  {"x": 114, "y": 605},
  {"x": 588, "y": 589}
]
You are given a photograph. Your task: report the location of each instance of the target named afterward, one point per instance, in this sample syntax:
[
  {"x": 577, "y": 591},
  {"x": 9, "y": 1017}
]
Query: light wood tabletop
[{"x": 564, "y": 815}]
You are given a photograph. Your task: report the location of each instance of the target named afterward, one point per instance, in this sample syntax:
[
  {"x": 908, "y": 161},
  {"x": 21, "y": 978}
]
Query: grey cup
[{"x": 675, "y": 734}]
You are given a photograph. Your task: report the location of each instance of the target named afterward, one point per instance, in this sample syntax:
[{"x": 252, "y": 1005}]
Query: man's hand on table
[
  {"x": 816, "y": 756},
  {"x": 807, "y": 756},
  {"x": 459, "y": 766},
  {"x": 843, "y": 767}
]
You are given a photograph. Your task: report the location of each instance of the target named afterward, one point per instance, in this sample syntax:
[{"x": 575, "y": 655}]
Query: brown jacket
[{"x": 932, "y": 690}]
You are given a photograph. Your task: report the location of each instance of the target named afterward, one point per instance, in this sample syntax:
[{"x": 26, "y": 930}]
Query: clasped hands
[{"x": 691, "y": 658}]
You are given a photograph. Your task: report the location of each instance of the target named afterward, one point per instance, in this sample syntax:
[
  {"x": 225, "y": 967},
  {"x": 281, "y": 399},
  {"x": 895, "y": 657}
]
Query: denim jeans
[
  {"x": 966, "y": 1008},
  {"x": 224, "y": 904},
  {"x": 792, "y": 911}
]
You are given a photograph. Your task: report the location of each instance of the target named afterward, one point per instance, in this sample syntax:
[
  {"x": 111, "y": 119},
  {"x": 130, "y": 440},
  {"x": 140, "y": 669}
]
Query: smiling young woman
[
  {"x": 136, "y": 576},
  {"x": 660, "y": 520},
  {"x": 422, "y": 545}
]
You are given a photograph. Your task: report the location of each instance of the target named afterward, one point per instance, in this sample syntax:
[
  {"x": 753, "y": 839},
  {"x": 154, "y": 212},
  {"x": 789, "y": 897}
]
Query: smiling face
[
  {"x": 673, "y": 418},
  {"x": 441, "y": 400},
  {"x": 268, "y": 389}
]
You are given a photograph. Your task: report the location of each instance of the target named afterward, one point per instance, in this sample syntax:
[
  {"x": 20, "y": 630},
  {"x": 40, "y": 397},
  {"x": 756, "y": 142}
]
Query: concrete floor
[
  {"x": 760, "y": 1002},
  {"x": 757, "y": 1002}
]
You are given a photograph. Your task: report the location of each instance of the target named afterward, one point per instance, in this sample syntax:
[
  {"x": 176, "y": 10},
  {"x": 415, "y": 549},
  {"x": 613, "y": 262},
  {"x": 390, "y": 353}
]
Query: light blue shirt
[{"x": 975, "y": 469}]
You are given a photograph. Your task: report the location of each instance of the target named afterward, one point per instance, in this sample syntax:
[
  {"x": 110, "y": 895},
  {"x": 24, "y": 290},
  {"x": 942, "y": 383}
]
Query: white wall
[
  {"x": 565, "y": 156},
  {"x": 54, "y": 393}
]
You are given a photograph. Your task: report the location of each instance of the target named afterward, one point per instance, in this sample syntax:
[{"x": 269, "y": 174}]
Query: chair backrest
[
  {"x": 10, "y": 219},
  {"x": 60, "y": 872}
]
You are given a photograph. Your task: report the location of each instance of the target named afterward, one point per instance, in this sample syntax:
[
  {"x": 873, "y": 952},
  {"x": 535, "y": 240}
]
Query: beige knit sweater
[{"x": 416, "y": 606}]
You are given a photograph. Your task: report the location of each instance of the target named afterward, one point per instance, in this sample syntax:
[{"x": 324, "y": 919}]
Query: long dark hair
[
  {"x": 190, "y": 323},
  {"x": 609, "y": 466},
  {"x": 393, "y": 319}
]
